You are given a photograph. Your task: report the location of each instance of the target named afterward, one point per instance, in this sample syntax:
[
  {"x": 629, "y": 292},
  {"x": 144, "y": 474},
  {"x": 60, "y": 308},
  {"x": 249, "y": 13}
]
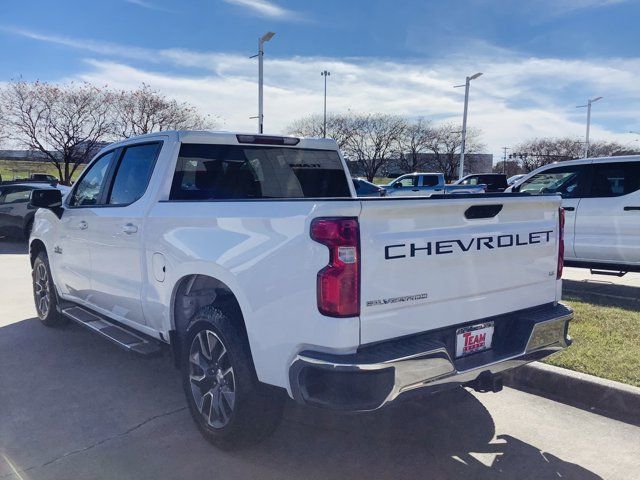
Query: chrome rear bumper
[{"x": 378, "y": 374}]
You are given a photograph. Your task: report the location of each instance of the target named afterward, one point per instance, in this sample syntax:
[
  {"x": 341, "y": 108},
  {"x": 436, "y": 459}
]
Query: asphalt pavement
[
  {"x": 73, "y": 406},
  {"x": 603, "y": 289}
]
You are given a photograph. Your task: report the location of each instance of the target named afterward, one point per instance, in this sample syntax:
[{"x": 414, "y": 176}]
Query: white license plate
[{"x": 474, "y": 338}]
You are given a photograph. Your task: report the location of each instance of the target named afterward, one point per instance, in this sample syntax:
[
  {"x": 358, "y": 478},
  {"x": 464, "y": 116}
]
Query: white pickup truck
[
  {"x": 427, "y": 184},
  {"x": 601, "y": 198},
  {"x": 250, "y": 258}
]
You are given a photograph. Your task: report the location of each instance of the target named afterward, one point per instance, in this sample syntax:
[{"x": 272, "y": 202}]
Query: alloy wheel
[
  {"x": 212, "y": 379},
  {"x": 42, "y": 290}
]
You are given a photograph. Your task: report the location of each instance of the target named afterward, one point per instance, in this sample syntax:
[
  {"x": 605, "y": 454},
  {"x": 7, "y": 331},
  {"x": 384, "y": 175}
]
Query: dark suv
[
  {"x": 16, "y": 215},
  {"x": 495, "y": 182}
]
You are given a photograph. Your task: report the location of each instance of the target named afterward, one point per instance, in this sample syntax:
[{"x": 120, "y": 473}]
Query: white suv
[{"x": 601, "y": 197}]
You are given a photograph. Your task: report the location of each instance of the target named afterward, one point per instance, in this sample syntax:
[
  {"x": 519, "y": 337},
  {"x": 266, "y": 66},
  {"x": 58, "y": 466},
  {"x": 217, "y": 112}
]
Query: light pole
[
  {"x": 264, "y": 38},
  {"x": 464, "y": 119},
  {"x": 586, "y": 141},
  {"x": 504, "y": 160},
  {"x": 325, "y": 74}
]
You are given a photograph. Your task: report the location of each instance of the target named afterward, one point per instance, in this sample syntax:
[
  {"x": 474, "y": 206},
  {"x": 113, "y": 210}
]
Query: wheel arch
[
  {"x": 193, "y": 292},
  {"x": 35, "y": 247}
]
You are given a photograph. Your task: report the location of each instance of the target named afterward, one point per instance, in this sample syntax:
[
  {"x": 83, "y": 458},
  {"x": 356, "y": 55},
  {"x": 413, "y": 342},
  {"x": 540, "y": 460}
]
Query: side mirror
[
  {"x": 50, "y": 198},
  {"x": 397, "y": 185}
]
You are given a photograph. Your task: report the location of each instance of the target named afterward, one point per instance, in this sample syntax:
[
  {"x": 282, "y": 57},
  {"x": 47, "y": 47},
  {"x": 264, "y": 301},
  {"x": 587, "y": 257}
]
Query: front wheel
[
  {"x": 44, "y": 294},
  {"x": 229, "y": 405}
]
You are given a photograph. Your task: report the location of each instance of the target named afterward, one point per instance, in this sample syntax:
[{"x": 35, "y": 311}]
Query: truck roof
[
  {"x": 580, "y": 161},
  {"x": 228, "y": 138}
]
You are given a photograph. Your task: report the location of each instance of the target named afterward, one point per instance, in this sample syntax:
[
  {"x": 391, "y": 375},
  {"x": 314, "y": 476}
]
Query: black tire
[
  {"x": 44, "y": 294},
  {"x": 231, "y": 408}
]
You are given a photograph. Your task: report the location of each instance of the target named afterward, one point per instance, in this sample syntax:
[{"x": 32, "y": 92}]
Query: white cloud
[
  {"x": 264, "y": 8},
  {"x": 517, "y": 98},
  {"x": 148, "y": 5},
  {"x": 513, "y": 101},
  {"x": 103, "y": 48},
  {"x": 561, "y": 7}
]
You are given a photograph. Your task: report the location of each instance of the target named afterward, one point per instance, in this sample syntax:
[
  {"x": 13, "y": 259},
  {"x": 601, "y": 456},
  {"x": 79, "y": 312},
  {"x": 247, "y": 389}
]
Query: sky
[{"x": 539, "y": 58}]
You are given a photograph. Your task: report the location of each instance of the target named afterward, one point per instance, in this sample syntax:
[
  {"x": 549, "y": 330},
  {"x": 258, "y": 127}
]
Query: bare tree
[
  {"x": 509, "y": 168},
  {"x": 146, "y": 110},
  {"x": 537, "y": 152},
  {"x": 414, "y": 142},
  {"x": 3, "y": 126},
  {"x": 601, "y": 148},
  {"x": 374, "y": 141},
  {"x": 339, "y": 127},
  {"x": 446, "y": 144},
  {"x": 65, "y": 123}
]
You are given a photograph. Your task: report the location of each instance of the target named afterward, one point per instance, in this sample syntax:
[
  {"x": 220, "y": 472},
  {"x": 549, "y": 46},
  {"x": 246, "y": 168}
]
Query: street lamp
[
  {"x": 325, "y": 74},
  {"x": 261, "y": 41},
  {"x": 464, "y": 119},
  {"x": 588, "y": 105}
]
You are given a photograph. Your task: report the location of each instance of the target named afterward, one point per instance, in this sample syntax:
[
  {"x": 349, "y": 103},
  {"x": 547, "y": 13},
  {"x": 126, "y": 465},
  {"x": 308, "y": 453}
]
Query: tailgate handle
[{"x": 482, "y": 211}]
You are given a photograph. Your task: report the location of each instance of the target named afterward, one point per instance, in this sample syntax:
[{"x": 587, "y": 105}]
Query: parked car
[
  {"x": 368, "y": 189},
  {"x": 495, "y": 182},
  {"x": 43, "y": 177},
  {"x": 16, "y": 215},
  {"x": 34, "y": 177},
  {"x": 425, "y": 184},
  {"x": 601, "y": 197},
  {"x": 251, "y": 259},
  {"x": 514, "y": 178}
]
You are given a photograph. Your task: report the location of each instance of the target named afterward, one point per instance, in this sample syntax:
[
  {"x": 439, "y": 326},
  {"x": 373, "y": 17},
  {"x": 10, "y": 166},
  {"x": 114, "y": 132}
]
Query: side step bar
[
  {"x": 123, "y": 337},
  {"x": 611, "y": 273}
]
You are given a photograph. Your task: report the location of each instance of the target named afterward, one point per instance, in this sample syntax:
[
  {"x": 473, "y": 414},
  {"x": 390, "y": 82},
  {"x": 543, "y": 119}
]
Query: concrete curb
[{"x": 609, "y": 398}]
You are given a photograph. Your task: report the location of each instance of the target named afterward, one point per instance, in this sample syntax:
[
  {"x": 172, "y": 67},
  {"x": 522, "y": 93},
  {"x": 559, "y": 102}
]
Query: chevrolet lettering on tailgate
[{"x": 443, "y": 247}]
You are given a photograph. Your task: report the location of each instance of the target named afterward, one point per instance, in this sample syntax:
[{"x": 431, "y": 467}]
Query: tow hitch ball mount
[{"x": 487, "y": 382}]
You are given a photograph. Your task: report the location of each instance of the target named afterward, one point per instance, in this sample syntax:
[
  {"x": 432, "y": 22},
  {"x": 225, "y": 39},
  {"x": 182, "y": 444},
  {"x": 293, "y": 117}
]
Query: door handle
[
  {"x": 569, "y": 209},
  {"x": 628, "y": 209},
  {"x": 129, "y": 228},
  {"x": 416, "y": 189},
  {"x": 83, "y": 225}
]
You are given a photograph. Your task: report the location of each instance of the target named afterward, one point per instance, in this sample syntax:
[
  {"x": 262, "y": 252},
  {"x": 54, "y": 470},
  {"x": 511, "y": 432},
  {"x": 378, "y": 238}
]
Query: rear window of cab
[{"x": 219, "y": 172}]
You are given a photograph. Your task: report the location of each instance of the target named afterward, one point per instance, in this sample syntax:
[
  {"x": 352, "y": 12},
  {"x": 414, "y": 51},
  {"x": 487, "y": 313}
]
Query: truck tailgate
[{"x": 428, "y": 263}]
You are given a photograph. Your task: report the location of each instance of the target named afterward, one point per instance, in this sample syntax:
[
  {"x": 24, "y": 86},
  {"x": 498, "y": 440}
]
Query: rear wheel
[
  {"x": 229, "y": 405},
  {"x": 44, "y": 294}
]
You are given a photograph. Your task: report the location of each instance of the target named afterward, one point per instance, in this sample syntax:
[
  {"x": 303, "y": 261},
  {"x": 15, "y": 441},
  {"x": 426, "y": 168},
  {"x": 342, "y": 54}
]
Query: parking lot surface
[
  {"x": 609, "y": 290},
  {"x": 74, "y": 406}
]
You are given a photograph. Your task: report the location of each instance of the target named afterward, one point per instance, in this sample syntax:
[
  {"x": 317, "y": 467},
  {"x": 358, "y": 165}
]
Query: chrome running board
[{"x": 123, "y": 337}]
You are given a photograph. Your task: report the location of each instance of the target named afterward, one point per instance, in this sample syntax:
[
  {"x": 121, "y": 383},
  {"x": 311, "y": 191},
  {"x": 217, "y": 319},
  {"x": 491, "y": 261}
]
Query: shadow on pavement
[
  {"x": 602, "y": 293},
  {"x": 74, "y": 406},
  {"x": 12, "y": 246}
]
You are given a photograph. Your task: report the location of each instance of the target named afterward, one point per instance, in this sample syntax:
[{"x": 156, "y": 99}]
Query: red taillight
[
  {"x": 338, "y": 284},
  {"x": 560, "y": 242}
]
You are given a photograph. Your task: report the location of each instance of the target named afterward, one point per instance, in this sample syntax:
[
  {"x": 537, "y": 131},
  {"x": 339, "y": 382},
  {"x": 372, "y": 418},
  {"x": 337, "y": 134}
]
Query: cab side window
[
  {"x": 133, "y": 174},
  {"x": 405, "y": 182},
  {"x": 16, "y": 195},
  {"x": 89, "y": 188},
  {"x": 567, "y": 181},
  {"x": 430, "y": 180},
  {"x": 614, "y": 179}
]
